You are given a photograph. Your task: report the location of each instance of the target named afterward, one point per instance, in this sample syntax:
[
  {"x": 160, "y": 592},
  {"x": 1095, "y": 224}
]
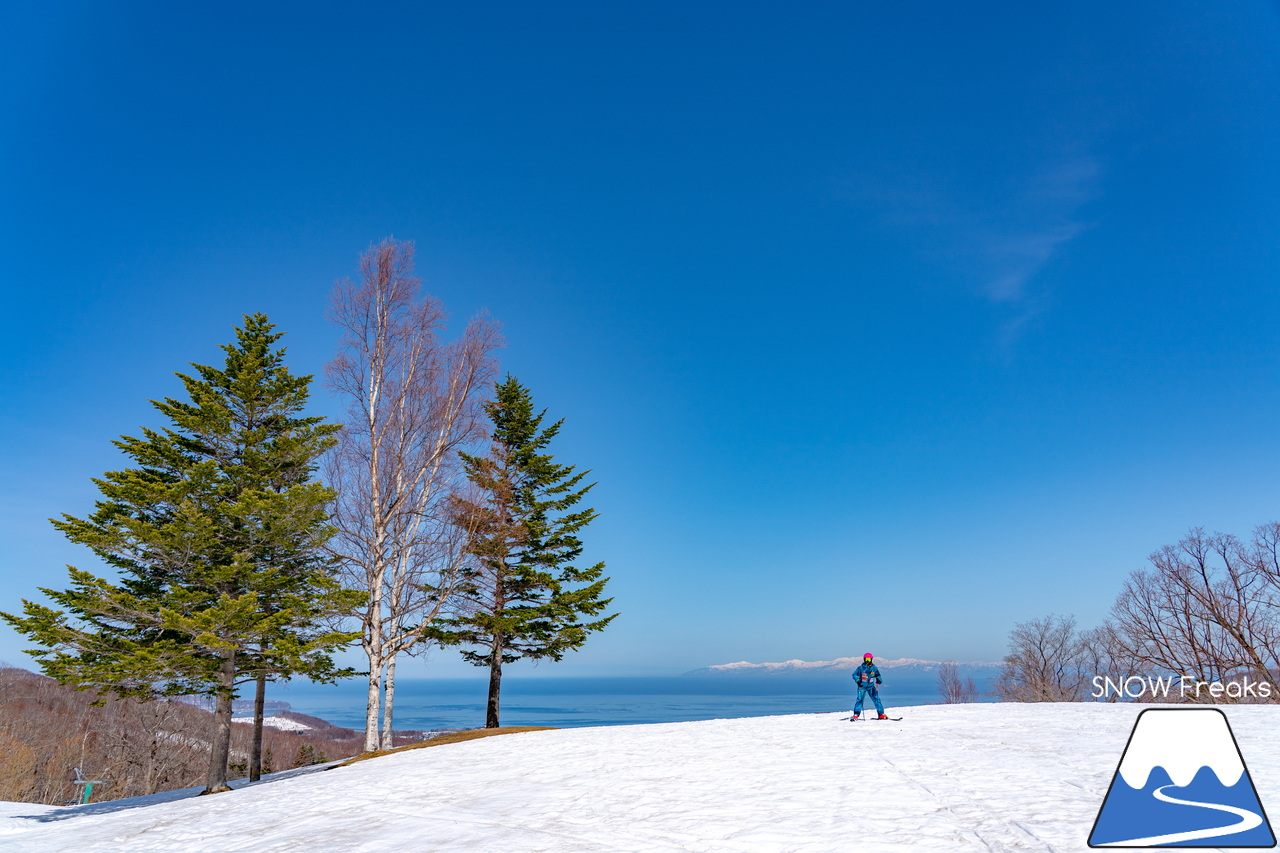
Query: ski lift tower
[{"x": 87, "y": 784}]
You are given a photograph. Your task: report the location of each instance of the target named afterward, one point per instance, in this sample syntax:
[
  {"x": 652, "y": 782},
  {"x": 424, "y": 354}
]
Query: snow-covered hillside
[
  {"x": 987, "y": 777},
  {"x": 895, "y": 666},
  {"x": 283, "y": 724}
]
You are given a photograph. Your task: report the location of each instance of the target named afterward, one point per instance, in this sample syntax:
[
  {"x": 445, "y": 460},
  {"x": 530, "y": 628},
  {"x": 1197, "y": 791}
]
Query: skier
[{"x": 867, "y": 677}]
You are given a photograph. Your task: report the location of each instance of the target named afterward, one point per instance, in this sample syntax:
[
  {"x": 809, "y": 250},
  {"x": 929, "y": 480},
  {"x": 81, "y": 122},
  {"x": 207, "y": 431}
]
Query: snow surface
[{"x": 986, "y": 777}]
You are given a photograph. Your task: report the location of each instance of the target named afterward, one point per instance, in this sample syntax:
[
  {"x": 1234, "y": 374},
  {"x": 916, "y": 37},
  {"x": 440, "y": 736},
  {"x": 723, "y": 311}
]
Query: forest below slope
[{"x": 48, "y": 730}]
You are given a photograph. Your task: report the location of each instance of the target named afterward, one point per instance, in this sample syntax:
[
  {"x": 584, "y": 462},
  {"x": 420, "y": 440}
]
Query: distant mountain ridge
[{"x": 906, "y": 666}]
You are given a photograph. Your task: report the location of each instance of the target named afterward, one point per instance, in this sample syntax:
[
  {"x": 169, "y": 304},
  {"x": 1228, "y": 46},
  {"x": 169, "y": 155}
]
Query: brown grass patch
[{"x": 456, "y": 737}]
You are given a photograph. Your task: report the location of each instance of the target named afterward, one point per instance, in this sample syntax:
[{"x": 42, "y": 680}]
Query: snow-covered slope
[
  {"x": 807, "y": 667},
  {"x": 990, "y": 777}
]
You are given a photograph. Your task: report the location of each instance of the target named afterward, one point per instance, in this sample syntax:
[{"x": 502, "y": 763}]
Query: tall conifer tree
[
  {"x": 524, "y": 597},
  {"x": 217, "y": 538}
]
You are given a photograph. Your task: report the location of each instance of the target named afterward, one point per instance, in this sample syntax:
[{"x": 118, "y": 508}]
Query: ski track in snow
[{"x": 989, "y": 777}]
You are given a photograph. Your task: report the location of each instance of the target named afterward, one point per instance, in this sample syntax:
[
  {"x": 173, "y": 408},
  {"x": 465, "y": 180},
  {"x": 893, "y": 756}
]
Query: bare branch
[{"x": 413, "y": 401}]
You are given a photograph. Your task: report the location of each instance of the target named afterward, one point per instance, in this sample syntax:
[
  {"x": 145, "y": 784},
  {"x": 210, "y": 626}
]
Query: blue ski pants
[{"x": 862, "y": 694}]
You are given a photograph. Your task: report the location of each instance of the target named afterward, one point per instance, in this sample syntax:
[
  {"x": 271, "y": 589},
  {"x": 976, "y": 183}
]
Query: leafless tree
[
  {"x": 1102, "y": 654},
  {"x": 413, "y": 400},
  {"x": 1045, "y": 663},
  {"x": 151, "y": 746},
  {"x": 135, "y": 748},
  {"x": 952, "y": 690},
  {"x": 48, "y": 730},
  {"x": 1208, "y": 607}
]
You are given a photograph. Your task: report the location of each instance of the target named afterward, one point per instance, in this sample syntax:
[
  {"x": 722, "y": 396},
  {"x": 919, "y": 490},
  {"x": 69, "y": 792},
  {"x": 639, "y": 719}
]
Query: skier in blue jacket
[{"x": 867, "y": 677}]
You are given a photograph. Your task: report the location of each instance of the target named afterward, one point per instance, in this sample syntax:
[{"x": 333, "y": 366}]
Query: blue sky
[{"x": 883, "y": 326}]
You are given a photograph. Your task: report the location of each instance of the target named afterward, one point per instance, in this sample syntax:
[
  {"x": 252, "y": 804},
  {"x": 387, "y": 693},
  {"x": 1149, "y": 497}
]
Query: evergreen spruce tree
[
  {"x": 217, "y": 539},
  {"x": 524, "y": 597}
]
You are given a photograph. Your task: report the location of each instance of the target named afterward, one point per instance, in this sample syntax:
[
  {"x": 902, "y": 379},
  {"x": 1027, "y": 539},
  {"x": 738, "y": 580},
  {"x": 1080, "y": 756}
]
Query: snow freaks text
[{"x": 1184, "y": 686}]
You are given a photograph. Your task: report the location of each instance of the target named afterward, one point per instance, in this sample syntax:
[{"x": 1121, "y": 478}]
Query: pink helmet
[{"x": 867, "y": 655}]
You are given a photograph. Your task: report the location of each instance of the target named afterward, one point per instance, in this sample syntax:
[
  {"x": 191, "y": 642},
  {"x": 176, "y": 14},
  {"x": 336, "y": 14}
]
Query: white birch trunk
[
  {"x": 413, "y": 402},
  {"x": 388, "y": 701}
]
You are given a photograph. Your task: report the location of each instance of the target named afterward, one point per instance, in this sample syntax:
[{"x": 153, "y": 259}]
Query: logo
[{"x": 1181, "y": 783}]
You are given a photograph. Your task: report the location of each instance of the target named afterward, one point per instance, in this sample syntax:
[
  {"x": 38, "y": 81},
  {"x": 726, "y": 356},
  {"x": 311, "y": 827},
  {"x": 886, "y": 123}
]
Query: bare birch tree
[{"x": 413, "y": 400}]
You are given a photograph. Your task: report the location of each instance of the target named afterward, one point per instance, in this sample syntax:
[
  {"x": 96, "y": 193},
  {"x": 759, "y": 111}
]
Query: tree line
[
  {"x": 1207, "y": 608},
  {"x": 49, "y": 731},
  {"x": 252, "y": 542}
]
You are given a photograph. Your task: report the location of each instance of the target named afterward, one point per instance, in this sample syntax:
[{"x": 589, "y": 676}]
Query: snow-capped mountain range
[{"x": 804, "y": 667}]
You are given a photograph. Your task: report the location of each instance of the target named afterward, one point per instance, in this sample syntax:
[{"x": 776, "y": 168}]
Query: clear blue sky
[{"x": 883, "y": 326}]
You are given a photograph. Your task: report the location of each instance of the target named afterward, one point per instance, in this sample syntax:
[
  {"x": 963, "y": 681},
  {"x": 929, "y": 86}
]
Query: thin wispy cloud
[
  {"x": 1031, "y": 229},
  {"x": 1015, "y": 258},
  {"x": 999, "y": 235}
]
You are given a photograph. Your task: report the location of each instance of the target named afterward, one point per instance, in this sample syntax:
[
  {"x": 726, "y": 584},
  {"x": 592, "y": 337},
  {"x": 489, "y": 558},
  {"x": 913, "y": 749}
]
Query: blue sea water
[{"x": 570, "y": 702}]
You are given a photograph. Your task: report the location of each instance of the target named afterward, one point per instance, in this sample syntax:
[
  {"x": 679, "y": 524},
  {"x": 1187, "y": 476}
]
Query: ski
[{"x": 886, "y": 719}]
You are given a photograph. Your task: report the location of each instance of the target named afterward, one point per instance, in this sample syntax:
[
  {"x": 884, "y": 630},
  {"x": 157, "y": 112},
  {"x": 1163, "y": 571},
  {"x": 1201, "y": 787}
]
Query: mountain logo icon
[{"x": 1181, "y": 782}]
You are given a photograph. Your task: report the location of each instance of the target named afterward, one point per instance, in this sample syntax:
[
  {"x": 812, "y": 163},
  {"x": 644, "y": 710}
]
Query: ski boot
[
  {"x": 854, "y": 718},
  {"x": 883, "y": 717}
]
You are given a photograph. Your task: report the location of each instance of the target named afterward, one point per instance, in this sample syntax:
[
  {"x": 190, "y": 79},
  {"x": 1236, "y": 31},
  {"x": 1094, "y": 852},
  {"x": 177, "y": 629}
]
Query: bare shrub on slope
[
  {"x": 136, "y": 748},
  {"x": 952, "y": 690},
  {"x": 48, "y": 730},
  {"x": 1047, "y": 662}
]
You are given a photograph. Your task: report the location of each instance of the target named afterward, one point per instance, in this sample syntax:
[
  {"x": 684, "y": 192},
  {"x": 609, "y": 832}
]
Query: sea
[{"x": 444, "y": 703}]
